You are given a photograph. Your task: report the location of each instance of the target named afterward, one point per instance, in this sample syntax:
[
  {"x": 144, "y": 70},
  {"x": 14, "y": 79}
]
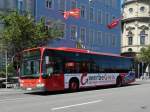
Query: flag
[
  {"x": 74, "y": 13},
  {"x": 114, "y": 23}
]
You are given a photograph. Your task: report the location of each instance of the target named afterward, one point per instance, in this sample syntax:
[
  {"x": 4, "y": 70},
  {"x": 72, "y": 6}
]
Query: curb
[{"x": 10, "y": 91}]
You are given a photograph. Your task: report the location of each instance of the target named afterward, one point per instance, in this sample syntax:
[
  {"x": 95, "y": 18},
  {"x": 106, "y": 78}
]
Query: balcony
[{"x": 136, "y": 16}]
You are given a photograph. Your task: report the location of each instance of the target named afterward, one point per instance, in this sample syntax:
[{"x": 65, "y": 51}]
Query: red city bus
[{"x": 52, "y": 69}]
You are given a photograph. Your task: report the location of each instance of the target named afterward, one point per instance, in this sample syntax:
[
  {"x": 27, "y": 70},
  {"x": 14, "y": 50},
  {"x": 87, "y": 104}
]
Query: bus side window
[
  {"x": 77, "y": 67},
  {"x": 70, "y": 67},
  {"x": 84, "y": 67},
  {"x": 58, "y": 66}
]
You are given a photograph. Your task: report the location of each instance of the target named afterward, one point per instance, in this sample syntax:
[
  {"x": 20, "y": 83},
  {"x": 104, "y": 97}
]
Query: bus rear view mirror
[
  {"x": 49, "y": 70},
  {"x": 47, "y": 59}
]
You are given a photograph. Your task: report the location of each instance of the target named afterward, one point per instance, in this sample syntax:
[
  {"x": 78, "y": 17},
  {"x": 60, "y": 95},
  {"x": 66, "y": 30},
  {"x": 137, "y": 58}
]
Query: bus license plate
[{"x": 29, "y": 89}]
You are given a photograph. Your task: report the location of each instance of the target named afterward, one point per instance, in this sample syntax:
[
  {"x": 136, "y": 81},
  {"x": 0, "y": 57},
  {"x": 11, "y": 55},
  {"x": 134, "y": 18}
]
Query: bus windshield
[{"x": 30, "y": 64}]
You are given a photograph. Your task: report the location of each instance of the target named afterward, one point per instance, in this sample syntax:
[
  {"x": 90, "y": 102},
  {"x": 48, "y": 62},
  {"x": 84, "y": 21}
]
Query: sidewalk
[
  {"x": 10, "y": 91},
  {"x": 143, "y": 81}
]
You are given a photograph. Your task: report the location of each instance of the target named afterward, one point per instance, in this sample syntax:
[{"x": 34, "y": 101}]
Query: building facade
[
  {"x": 136, "y": 26},
  {"x": 136, "y": 30},
  {"x": 90, "y": 30}
]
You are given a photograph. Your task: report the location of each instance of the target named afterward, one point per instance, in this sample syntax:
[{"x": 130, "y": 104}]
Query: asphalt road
[{"x": 133, "y": 98}]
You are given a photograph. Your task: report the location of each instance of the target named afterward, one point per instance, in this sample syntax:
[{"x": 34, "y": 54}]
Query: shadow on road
[{"x": 81, "y": 90}]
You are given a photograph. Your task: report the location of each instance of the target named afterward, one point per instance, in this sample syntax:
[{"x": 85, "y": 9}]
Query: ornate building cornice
[
  {"x": 126, "y": 2},
  {"x": 129, "y": 28},
  {"x": 143, "y": 27},
  {"x": 136, "y": 19}
]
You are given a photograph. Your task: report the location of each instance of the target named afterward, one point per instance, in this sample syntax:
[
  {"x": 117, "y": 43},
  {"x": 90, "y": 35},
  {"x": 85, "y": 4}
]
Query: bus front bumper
[
  {"x": 41, "y": 89},
  {"x": 37, "y": 88}
]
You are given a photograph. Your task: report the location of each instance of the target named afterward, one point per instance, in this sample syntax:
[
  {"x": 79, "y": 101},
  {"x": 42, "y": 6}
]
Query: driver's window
[
  {"x": 53, "y": 65},
  {"x": 53, "y": 62}
]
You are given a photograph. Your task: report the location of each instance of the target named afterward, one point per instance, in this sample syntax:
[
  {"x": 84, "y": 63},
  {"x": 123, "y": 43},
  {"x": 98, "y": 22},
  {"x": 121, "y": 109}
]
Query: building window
[
  {"x": 130, "y": 50},
  {"x": 82, "y": 34},
  {"x": 99, "y": 36},
  {"x": 73, "y": 32},
  {"x": 62, "y": 5},
  {"x": 62, "y": 28},
  {"x": 91, "y": 36},
  {"x": 142, "y": 9},
  {"x": 73, "y": 4},
  {"x": 20, "y": 6},
  {"x": 49, "y": 4},
  {"x": 130, "y": 40},
  {"x": 113, "y": 42},
  {"x": 104, "y": 17},
  {"x": 142, "y": 38},
  {"x": 91, "y": 14},
  {"x": 82, "y": 12},
  {"x": 131, "y": 10},
  {"x": 99, "y": 17},
  {"x": 107, "y": 18}
]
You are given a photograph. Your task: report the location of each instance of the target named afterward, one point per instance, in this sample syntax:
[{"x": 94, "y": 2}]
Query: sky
[{"x": 122, "y": 1}]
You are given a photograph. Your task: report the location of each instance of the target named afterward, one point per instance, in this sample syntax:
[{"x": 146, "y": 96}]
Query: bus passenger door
[
  {"x": 54, "y": 69},
  {"x": 56, "y": 82}
]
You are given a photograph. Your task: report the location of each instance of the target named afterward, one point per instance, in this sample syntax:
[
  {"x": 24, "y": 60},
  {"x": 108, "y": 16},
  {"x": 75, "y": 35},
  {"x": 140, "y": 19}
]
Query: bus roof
[{"x": 77, "y": 50}]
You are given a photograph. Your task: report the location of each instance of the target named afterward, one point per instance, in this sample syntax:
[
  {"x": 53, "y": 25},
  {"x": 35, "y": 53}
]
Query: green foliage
[
  {"x": 144, "y": 55},
  {"x": 11, "y": 70},
  {"x": 21, "y": 32},
  {"x": 79, "y": 45},
  {"x": 2, "y": 74}
]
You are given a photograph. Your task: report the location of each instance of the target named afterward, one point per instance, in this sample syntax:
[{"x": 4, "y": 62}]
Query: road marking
[{"x": 75, "y": 105}]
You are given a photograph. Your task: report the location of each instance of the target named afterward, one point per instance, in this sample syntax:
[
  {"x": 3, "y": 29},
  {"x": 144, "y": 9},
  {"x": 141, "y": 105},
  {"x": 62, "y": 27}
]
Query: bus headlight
[
  {"x": 40, "y": 85},
  {"x": 21, "y": 85}
]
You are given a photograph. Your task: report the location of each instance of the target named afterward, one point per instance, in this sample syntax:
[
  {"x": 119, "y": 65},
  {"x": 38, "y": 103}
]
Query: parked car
[
  {"x": 11, "y": 83},
  {"x": 1, "y": 81}
]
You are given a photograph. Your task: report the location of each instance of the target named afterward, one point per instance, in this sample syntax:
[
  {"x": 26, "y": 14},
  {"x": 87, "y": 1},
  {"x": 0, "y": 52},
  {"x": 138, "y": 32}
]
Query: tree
[
  {"x": 21, "y": 32},
  {"x": 144, "y": 57},
  {"x": 2, "y": 73}
]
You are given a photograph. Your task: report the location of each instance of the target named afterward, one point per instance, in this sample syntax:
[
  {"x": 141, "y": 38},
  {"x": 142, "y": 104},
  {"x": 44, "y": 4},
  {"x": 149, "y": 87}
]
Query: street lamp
[{"x": 6, "y": 66}]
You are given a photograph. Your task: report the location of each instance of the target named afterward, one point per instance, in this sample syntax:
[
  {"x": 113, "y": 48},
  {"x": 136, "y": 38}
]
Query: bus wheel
[
  {"x": 119, "y": 82},
  {"x": 73, "y": 85}
]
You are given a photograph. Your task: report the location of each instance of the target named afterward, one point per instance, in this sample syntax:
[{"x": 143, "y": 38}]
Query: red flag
[
  {"x": 114, "y": 23},
  {"x": 66, "y": 14},
  {"x": 74, "y": 13}
]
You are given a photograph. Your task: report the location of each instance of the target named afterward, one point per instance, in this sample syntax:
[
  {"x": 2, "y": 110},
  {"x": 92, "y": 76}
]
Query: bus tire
[
  {"x": 74, "y": 85},
  {"x": 119, "y": 82}
]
